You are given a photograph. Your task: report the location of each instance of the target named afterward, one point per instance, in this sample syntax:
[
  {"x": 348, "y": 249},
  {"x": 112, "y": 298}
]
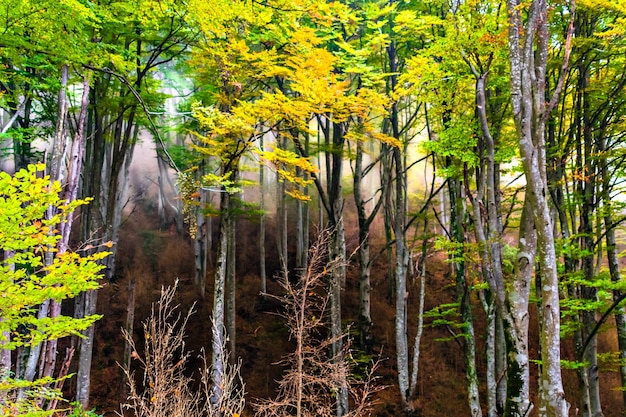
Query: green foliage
[
  {"x": 447, "y": 315},
  {"x": 572, "y": 365},
  {"x": 28, "y": 236},
  {"x": 29, "y": 406},
  {"x": 455, "y": 250},
  {"x": 610, "y": 361}
]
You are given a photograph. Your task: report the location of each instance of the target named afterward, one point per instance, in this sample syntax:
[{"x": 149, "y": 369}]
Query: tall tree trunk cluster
[{"x": 528, "y": 55}]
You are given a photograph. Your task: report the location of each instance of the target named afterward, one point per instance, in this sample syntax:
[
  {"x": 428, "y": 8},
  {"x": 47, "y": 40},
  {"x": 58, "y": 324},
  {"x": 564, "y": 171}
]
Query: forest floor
[{"x": 154, "y": 258}]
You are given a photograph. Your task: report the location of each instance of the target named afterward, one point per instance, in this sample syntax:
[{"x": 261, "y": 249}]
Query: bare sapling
[
  {"x": 309, "y": 385},
  {"x": 166, "y": 389}
]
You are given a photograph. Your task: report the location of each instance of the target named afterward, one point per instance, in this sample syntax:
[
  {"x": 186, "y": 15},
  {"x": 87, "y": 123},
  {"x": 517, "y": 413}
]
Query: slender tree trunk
[
  {"x": 588, "y": 380},
  {"x": 401, "y": 294},
  {"x": 620, "y": 323},
  {"x": 83, "y": 375},
  {"x": 130, "y": 328},
  {"x": 282, "y": 220},
  {"x": 420, "y": 316},
  {"x": 262, "y": 218},
  {"x": 231, "y": 276},
  {"x": 489, "y": 234},
  {"x": 337, "y": 252},
  {"x": 200, "y": 242},
  {"x": 457, "y": 214},
  {"x": 387, "y": 187},
  {"x": 306, "y": 214},
  {"x": 501, "y": 363},
  {"x": 59, "y": 143},
  {"x": 491, "y": 374},
  {"x": 218, "y": 313},
  {"x": 363, "y": 255},
  {"x": 300, "y": 245}
]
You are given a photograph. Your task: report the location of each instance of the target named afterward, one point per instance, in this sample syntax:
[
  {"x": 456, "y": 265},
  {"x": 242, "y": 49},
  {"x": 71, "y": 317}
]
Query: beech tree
[
  {"x": 528, "y": 53},
  {"x": 28, "y": 236}
]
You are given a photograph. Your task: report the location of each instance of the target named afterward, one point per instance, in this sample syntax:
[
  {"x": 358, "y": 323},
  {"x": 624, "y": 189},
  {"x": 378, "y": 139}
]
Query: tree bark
[
  {"x": 337, "y": 253},
  {"x": 201, "y": 241},
  {"x": 401, "y": 267},
  {"x": 420, "y": 314},
  {"x": 218, "y": 313},
  {"x": 528, "y": 68},
  {"x": 457, "y": 214},
  {"x": 363, "y": 252},
  {"x": 262, "y": 219},
  {"x": 516, "y": 321},
  {"x": 231, "y": 276}
]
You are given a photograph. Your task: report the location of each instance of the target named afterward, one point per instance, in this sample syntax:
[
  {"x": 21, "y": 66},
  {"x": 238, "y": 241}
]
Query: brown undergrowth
[
  {"x": 164, "y": 389},
  {"x": 155, "y": 258}
]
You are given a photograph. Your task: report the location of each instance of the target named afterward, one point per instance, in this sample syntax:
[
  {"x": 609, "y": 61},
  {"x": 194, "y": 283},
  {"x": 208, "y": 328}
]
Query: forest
[{"x": 312, "y": 208}]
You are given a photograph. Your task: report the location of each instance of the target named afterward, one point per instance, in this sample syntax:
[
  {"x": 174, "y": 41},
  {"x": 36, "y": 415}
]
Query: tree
[
  {"x": 309, "y": 383},
  {"x": 27, "y": 281},
  {"x": 528, "y": 53}
]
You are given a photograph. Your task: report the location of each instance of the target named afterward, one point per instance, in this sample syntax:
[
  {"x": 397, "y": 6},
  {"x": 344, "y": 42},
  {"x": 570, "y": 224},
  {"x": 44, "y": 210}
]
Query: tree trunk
[
  {"x": 83, "y": 375},
  {"x": 337, "y": 252},
  {"x": 457, "y": 214},
  {"x": 528, "y": 69},
  {"x": 282, "y": 226},
  {"x": 501, "y": 364},
  {"x": 262, "y": 218},
  {"x": 491, "y": 374},
  {"x": 488, "y": 231},
  {"x": 401, "y": 294},
  {"x": 201, "y": 242},
  {"x": 420, "y": 315},
  {"x": 301, "y": 252},
  {"x": 516, "y": 320},
  {"x": 59, "y": 143},
  {"x": 231, "y": 276},
  {"x": 218, "y": 344},
  {"x": 130, "y": 328},
  {"x": 363, "y": 254}
]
